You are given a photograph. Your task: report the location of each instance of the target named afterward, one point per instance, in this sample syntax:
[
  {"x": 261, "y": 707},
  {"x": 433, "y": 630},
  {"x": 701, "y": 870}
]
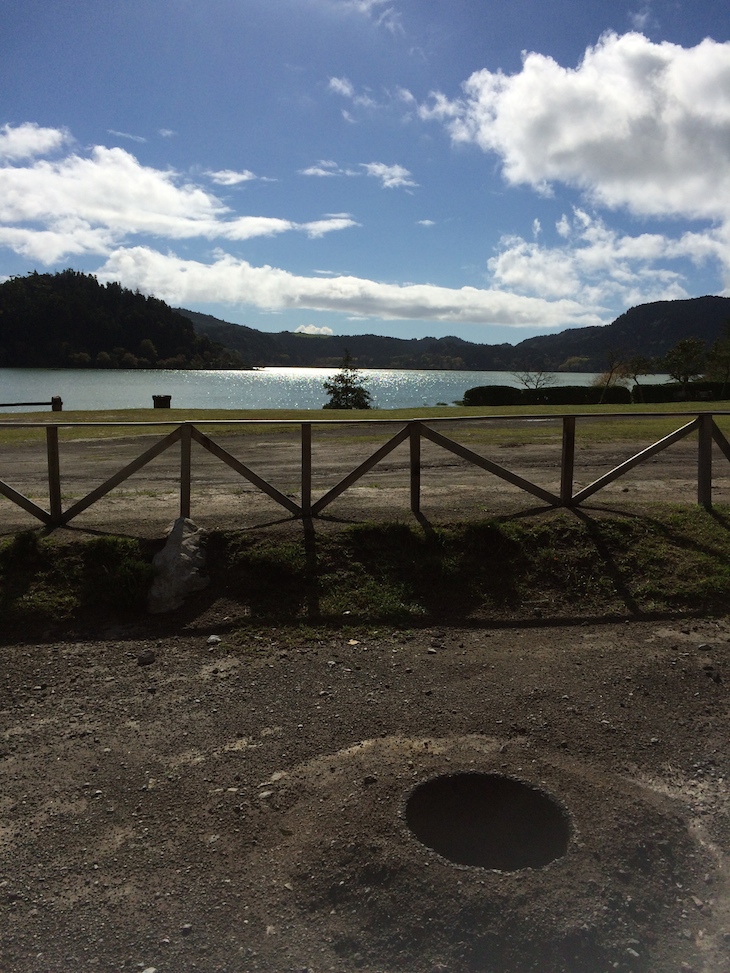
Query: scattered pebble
[
  {"x": 214, "y": 639},
  {"x": 146, "y": 658}
]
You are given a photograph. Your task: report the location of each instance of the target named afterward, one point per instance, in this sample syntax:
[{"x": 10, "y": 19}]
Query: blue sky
[{"x": 493, "y": 170}]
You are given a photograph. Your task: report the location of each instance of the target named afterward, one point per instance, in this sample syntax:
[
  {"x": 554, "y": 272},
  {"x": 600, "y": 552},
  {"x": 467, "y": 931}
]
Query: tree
[
  {"x": 718, "y": 359},
  {"x": 537, "y": 379},
  {"x": 613, "y": 372},
  {"x": 685, "y": 361},
  {"x": 633, "y": 367},
  {"x": 345, "y": 389}
]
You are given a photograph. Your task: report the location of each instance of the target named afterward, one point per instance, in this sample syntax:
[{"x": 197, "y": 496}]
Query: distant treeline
[{"x": 70, "y": 320}]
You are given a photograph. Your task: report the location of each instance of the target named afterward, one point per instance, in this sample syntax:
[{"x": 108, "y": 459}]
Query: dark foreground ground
[{"x": 241, "y": 805}]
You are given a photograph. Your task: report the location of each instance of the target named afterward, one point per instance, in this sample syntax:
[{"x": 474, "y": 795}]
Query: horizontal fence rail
[
  {"x": 413, "y": 431},
  {"x": 56, "y": 404}
]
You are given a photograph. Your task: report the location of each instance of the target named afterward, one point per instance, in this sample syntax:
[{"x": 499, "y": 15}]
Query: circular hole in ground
[{"x": 488, "y": 820}]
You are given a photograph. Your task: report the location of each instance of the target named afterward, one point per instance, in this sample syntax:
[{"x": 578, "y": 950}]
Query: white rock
[{"x": 178, "y": 567}]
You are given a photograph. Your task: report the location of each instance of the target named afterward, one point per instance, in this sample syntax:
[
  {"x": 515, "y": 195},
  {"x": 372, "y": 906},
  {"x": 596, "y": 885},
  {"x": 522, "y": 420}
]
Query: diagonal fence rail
[{"x": 413, "y": 431}]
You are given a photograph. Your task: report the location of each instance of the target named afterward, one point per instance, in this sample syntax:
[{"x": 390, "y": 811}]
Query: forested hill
[
  {"x": 69, "y": 320},
  {"x": 648, "y": 330}
]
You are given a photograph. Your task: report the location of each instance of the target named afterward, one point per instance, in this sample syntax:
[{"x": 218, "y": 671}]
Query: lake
[{"x": 265, "y": 388}]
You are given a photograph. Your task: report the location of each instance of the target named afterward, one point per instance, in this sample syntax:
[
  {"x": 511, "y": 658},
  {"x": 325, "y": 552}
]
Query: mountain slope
[{"x": 648, "y": 329}]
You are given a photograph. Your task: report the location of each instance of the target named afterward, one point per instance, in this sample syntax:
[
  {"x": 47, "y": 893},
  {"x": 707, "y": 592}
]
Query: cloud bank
[
  {"x": 637, "y": 125},
  {"x": 233, "y": 281},
  {"x": 52, "y": 209}
]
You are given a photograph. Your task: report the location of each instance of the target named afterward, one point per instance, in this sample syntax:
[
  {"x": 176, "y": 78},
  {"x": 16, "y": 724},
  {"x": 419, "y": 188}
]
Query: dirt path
[{"x": 240, "y": 803}]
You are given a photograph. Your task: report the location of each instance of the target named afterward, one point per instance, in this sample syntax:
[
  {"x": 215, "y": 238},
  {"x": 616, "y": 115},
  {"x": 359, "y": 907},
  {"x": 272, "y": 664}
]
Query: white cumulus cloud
[
  {"x": 91, "y": 203},
  {"x": 229, "y": 177},
  {"x": 639, "y": 125},
  {"x": 313, "y": 329},
  {"x": 391, "y": 177},
  {"x": 28, "y": 140},
  {"x": 601, "y": 266}
]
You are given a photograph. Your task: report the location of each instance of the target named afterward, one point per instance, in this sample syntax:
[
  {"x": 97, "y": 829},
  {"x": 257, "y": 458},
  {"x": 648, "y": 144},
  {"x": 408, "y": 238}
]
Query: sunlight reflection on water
[{"x": 266, "y": 388}]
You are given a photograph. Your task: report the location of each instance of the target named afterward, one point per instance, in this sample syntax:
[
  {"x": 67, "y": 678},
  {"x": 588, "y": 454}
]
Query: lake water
[{"x": 266, "y": 388}]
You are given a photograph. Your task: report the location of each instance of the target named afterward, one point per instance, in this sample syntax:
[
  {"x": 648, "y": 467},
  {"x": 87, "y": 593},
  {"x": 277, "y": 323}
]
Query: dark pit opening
[{"x": 488, "y": 820}]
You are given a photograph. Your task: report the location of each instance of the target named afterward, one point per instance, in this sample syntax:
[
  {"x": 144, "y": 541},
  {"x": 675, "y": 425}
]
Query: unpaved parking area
[{"x": 240, "y": 805}]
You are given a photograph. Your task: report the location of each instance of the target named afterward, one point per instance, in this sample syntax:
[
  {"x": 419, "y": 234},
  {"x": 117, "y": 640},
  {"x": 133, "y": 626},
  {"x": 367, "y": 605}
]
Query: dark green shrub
[
  {"x": 577, "y": 395},
  {"x": 493, "y": 395},
  {"x": 676, "y": 392}
]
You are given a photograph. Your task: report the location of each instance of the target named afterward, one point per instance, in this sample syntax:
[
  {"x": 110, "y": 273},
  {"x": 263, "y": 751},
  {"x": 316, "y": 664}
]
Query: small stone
[
  {"x": 146, "y": 658},
  {"x": 186, "y": 929},
  {"x": 632, "y": 952},
  {"x": 214, "y": 639}
]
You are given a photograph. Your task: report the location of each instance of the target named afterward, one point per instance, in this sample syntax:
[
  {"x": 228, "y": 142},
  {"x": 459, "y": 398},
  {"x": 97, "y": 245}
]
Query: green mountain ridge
[
  {"x": 69, "y": 319},
  {"x": 648, "y": 330}
]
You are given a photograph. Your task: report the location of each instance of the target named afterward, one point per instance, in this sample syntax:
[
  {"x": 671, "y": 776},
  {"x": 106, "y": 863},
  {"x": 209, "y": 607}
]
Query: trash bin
[
  {"x": 56, "y": 403},
  {"x": 161, "y": 401}
]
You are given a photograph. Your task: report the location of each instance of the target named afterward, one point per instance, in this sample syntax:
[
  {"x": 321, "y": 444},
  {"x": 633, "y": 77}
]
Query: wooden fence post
[
  {"x": 704, "y": 460},
  {"x": 567, "y": 461},
  {"x": 185, "y": 464},
  {"x": 306, "y": 469},
  {"x": 54, "y": 474},
  {"x": 414, "y": 434}
]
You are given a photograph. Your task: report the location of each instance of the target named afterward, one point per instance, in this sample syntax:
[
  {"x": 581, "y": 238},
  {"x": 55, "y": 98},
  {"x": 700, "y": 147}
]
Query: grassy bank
[{"x": 671, "y": 560}]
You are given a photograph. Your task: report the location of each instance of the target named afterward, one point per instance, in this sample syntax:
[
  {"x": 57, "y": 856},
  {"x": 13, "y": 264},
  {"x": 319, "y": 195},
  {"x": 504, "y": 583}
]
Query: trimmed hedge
[
  {"x": 493, "y": 395},
  {"x": 676, "y": 392},
  {"x": 555, "y": 395}
]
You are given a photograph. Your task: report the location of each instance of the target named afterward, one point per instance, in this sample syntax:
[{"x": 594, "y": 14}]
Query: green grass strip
[{"x": 667, "y": 561}]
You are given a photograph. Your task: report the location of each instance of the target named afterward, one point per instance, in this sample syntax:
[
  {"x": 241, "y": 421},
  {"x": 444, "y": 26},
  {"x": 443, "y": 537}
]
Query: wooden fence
[
  {"x": 411, "y": 431},
  {"x": 56, "y": 404}
]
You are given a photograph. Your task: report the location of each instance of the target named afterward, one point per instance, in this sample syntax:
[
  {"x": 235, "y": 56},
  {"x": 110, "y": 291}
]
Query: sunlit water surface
[{"x": 266, "y": 388}]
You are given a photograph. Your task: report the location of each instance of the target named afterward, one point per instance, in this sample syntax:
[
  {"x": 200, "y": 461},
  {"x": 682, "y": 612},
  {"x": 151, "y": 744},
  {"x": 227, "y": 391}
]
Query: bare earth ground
[{"x": 241, "y": 805}]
